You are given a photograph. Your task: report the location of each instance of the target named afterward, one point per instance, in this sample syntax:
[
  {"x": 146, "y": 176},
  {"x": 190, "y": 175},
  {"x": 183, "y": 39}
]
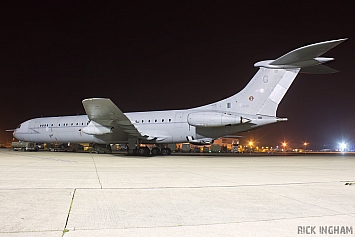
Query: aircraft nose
[{"x": 14, "y": 134}]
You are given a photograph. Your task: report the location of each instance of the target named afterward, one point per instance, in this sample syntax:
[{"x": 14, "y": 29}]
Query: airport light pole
[
  {"x": 305, "y": 146},
  {"x": 284, "y": 144},
  {"x": 251, "y": 146}
]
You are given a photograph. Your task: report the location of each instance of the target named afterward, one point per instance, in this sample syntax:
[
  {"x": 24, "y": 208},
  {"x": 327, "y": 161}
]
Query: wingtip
[
  {"x": 89, "y": 99},
  {"x": 337, "y": 42},
  {"x": 341, "y": 40}
]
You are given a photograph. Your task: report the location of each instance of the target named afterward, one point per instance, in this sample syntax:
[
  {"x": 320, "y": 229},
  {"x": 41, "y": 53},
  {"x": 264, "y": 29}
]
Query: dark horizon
[{"x": 158, "y": 56}]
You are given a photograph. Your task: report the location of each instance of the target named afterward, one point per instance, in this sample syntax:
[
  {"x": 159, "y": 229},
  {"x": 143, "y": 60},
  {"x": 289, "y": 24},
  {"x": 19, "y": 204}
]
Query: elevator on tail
[{"x": 252, "y": 107}]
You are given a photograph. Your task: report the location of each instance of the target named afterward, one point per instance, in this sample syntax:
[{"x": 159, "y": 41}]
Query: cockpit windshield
[{"x": 19, "y": 126}]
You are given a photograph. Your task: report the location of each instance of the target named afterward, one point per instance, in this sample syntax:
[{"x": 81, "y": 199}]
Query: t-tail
[{"x": 266, "y": 89}]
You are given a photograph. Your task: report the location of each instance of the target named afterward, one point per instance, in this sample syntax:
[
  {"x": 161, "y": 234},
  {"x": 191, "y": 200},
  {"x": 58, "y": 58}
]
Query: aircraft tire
[
  {"x": 155, "y": 151},
  {"x": 165, "y": 151},
  {"x": 132, "y": 152},
  {"x": 143, "y": 151}
]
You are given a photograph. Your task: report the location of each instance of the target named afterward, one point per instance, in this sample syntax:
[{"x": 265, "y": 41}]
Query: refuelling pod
[
  {"x": 96, "y": 129},
  {"x": 204, "y": 141},
  {"x": 214, "y": 119}
]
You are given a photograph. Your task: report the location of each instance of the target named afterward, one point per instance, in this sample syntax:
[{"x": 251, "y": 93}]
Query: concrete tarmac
[{"x": 82, "y": 194}]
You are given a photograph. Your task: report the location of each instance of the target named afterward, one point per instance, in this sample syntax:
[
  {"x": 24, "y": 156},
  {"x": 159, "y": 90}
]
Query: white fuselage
[{"x": 169, "y": 126}]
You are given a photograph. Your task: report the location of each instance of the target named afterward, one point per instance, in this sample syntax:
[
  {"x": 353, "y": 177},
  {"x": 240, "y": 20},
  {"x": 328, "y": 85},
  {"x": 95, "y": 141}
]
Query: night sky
[{"x": 175, "y": 55}]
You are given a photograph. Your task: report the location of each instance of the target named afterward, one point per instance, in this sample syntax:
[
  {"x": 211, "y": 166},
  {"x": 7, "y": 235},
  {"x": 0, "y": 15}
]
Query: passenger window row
[
  {"x": 82, "y": 124},
  {"x": 155, "y": 121},
  {"x": 62, "y": 124}
]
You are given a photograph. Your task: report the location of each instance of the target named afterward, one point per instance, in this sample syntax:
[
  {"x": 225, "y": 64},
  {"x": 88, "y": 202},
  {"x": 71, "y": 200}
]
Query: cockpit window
[{"x": 19, "y": 126}]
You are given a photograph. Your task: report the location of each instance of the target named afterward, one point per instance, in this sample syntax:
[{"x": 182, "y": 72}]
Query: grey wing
[{"x": 105, "y": 112}]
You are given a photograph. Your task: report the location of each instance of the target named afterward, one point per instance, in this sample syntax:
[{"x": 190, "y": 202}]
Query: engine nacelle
[
  {"x": 96, "y": 129},
  {"x": 214, "y": 119}
]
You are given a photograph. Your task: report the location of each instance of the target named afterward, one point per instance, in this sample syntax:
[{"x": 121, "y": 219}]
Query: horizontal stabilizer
[
  {"x": 318, "y": 69},
  {"x": 305, "y": 58},
  {"x": 308, "y": 52}
]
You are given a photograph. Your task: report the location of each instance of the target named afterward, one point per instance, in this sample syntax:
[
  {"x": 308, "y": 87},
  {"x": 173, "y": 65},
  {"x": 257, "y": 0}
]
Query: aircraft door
[{"x": 36, "y": 125}]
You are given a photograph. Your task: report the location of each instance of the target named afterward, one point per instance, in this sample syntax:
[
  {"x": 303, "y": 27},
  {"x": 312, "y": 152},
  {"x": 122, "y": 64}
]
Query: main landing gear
[
  {"x": 145, "y": 151},
  {"x": 135, "y": 143}
]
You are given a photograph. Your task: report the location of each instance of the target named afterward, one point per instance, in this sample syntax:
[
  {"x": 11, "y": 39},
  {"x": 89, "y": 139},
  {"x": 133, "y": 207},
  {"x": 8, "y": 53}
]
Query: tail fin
[{"x": 266, "y": 89}]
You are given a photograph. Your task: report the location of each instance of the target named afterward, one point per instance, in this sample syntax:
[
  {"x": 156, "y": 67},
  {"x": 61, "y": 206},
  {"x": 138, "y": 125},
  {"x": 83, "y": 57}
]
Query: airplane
[{"x": 252, "y": 107}]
